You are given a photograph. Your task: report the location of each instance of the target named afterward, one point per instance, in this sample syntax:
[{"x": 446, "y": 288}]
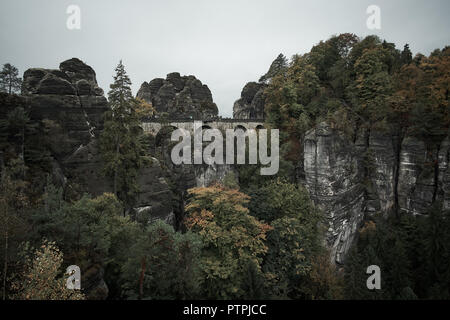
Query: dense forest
[{"x": 247, "y": 236}]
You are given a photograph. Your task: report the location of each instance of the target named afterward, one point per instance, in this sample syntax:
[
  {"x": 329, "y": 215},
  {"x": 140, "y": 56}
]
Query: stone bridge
[{"x": 153, "y": 126}]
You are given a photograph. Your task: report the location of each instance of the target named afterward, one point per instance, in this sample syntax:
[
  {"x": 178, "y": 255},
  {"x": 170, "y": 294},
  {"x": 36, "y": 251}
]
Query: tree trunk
[
  {"x": 141, "y": 278},
  {"x": 22, "y": 153},
  {"x": 115, "y": 171},
  {"x": 10, "y": 84},
  {"x": 5, "y": 267}
]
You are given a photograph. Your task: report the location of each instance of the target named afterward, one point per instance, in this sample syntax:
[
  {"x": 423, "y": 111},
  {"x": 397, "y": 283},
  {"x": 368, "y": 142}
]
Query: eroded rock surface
[
  {"x": 70, "y": 104},
  {"x": 398, "y": 177},
  {"x": 179, "y": 96},
  {"x": 333, "y": 178},
  {"x": 70, "y": 101},
  {"x": 251, "y": 103}
]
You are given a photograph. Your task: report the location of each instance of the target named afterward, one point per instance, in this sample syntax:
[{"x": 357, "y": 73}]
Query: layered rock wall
[
  {"x": 398, "y": 177},
  {"x": 71, "y": 104},
  {"x": 333, "y": 177}
]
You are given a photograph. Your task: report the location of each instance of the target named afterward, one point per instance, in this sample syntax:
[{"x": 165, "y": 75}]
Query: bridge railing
[{"x": 159, "y": 120}]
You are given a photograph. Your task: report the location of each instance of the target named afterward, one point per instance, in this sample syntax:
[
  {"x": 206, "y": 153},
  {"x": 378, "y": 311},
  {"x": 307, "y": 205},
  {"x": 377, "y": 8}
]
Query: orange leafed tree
[{"x": 232, "y": 239}]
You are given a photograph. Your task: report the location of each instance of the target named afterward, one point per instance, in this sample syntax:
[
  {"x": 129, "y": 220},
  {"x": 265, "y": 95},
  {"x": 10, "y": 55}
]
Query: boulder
[
  {"x": 52, "y": 84},
  {"x": 77, "y": 70}
]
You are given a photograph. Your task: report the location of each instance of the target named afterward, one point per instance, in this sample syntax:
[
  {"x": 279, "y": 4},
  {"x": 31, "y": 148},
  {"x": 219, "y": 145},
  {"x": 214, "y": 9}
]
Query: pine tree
[
  {"x": 9, "y": 79},
  {"x": 253, "y": 284},
  {"x": 406, "y": 55},
  {"x": 120, "y": 141},
  {"x": 162, "y": 264},
  {"x": 278, "y": 66},
  {"x": 438, "y": 252},
  {"x": 12, "y": 222},
  {"x": 15, "y": 127},
  {"x": 355, "y": 276},
  {"x": 373, "y": 86}
]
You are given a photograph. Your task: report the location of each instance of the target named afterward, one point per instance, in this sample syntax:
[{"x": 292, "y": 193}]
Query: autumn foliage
[{"x": 232, "y": 239}]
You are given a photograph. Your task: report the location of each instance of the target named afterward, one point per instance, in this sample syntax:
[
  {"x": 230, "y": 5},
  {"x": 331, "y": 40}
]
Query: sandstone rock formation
[
  {"x": 278, "y": 66},
  {"x": 251, "y": 103},
  {"x": 179, "y": 96},
  {"x": 333, "y": 177},
  {"x": 70, "y": 99},
  {"x": 407, "y": 179},
  {"x": 71, "y": 105}
]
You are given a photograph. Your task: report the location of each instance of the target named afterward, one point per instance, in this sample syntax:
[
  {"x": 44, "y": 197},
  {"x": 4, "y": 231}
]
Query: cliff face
[
  {"x": 179, "y": 96},
  {"x": 71, "y": 105},
  {"x": 333, "y": 176},
  {"x": 70, "y": 100},
  {"x": 403, "y": 175},
  {"x": 251, "y": 103}
]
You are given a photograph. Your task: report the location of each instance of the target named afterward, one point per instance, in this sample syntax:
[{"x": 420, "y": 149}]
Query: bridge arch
[
  {"x": 164, "y": 134},
  {"x": 153, "y": 126},
  {"x": 241, "y": 127}
]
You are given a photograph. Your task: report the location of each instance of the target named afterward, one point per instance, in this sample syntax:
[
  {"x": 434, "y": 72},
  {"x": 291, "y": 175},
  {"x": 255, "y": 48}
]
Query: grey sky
[{"x": 223, "y": 43}]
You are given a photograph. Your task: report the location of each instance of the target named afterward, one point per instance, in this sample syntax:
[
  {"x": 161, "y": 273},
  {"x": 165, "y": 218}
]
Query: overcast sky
[{"x": 223, "y": 43}]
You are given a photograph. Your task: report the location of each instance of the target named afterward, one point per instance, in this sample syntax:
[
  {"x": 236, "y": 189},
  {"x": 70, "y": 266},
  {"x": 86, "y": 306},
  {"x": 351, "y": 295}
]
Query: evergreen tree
[
  {"x": 13, "y": 202},
  {"x": 288, "y": 261},
  {"x": 253, "y": 285},
  {"x": 162, "y": 264},
  {"x": 406, "y": 55},
  {"x": 437, "y": 248},
  {"x": 373, "y": 86},
  {"x": 278, "y": 66},
  {"x": 355, "y": 277},
  {"x": 120, "y": 142},
  {"x": 14, "y": 130},
  {"x": 10, "y": 82},
  {"x": 365, "y": 253}
]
